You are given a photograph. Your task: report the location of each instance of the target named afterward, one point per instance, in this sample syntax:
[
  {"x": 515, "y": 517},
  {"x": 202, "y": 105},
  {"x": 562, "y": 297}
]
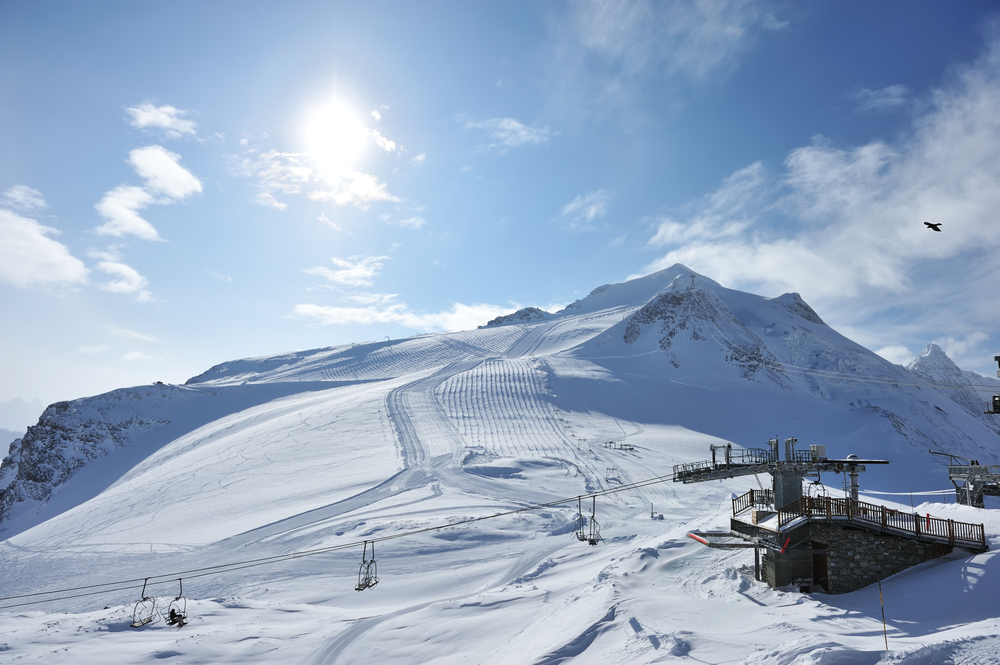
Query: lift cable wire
[
  {"x": 168, "y": 578},
  {"x": 828, "y": 374},
  {"x": 95, "y": 589}
]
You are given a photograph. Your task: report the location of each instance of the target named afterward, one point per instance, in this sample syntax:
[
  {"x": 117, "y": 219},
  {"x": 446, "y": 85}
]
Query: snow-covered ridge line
[{"x": 313, "y": 450}]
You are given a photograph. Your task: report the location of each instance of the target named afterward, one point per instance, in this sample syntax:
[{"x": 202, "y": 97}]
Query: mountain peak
[
  {"x": 636, "y": 292},
  {"x": 934, "y": 362}
]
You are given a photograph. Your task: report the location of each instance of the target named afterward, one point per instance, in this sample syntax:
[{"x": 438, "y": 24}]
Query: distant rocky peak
[
  {"x": 934, "y": 362},
  {"x": 523, "y": 315},
  {"x": 794, "y": 303}
]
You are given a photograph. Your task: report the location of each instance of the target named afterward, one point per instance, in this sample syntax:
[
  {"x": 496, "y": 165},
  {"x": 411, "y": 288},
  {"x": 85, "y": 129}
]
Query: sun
[{"x": 335, "y": 139}]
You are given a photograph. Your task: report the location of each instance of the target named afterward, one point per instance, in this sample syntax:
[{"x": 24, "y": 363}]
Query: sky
[{"x": 187, "y": 183}]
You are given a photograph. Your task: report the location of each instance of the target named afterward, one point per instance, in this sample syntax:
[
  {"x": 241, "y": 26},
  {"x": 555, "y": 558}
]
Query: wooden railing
[
  {"x": 753, "y": 498},
  {"x": 816, "y": 508}
]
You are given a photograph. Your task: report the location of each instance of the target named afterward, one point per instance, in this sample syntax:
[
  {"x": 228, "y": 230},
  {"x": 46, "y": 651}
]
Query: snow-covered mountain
[{"x": 264, "y": 457}]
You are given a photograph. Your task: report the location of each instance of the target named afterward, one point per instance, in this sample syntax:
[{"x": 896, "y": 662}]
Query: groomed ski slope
[{"x": 433, "y": 430}]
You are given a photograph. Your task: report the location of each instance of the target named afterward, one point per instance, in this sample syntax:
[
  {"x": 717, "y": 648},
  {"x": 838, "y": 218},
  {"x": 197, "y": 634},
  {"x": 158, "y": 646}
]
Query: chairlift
[
  {"x": 145, "y": 610},
  {"x": 817, "y": 489},
  {"x": 368, "y": 571},
  {"x": 595, "y": 535},
  {"x": 581, "y": 521},
  {"x": 177, "y": 609},
  {"x": 993, "y": 408}
]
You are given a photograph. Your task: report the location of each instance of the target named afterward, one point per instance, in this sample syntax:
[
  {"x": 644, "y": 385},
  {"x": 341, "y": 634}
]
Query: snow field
[
  {"x": 468, "y": 425},
  {"x": 500, "y": 405},
  {"x": 235, "y": 474}
]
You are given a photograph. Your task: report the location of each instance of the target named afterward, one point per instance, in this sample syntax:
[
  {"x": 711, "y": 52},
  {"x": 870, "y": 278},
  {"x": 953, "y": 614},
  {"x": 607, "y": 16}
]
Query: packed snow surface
[{"x": 315, "y": 450}]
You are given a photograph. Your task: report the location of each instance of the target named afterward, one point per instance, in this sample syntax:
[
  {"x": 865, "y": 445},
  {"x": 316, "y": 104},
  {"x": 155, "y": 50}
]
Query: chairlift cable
[
  {"x": 207, "y": 571},
  {"x": 829, "y": 374}
]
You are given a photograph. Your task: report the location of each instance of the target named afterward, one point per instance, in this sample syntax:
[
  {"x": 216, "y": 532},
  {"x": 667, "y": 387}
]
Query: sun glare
[{"x": 335, "y": 138}]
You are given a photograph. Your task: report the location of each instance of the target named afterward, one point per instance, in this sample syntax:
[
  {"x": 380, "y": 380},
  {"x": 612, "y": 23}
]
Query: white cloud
[
  {"x": 896, "y": 353},
  {"x": 957, "y": 347},
  {"x": 376, "y": 115},
  {"x": 166, "y": 182},
  {"x": 354, "y": 271},
  {"x": 508, "y": 133},
  {"x": 93, "y": 350},
  {"x": 29, "y": 257},
  {"x": 382, "y": 142},
  {"x": 880, "y": 100},
  {"x": 163, "y": 174},
  {"x": 267, "y": 200},
  {"x": 221, "y": 278},
  {"x": 279, "y": 171},
  {"x": 112, "y": 253},
  {"x": 166, "y": 117},
  {"x": 23, "y": 198},
  {"x": 371, "y": 298},
  {"x": 326, "y": 220},
  {"x": 133, "y": 356},
  {"x": 131, "y": 334},
  {"x": 458, "y": 317},
  {"x": 125, "y": 280},
  {"x": 292, "y": 173},
  {"x": 680, "y": 37},
  {"x": 357, "y": 188},
  {"x": 588, "y": 207},
  {"x": 843, "y": 225},
  {"x": 419, "y": 160},
  {"x": 606, "y": 55},
  {"x": 121, "y": 208},
  {"x": 412, "y": 222},
  {"x": 724, "y": 213}
]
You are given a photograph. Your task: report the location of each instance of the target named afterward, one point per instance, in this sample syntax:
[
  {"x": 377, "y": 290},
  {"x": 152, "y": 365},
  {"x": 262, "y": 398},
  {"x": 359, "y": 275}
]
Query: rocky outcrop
[
  {"x": 524, "y": 315},
  {"x": 795, "y": 304},
  {"x": 934, "y": 365},
  {"x": 71, "y": 434},
  {"x": 686, "y": 312}
]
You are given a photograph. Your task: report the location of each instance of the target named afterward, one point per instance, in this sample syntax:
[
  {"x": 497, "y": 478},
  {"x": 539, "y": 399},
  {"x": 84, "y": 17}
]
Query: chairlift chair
[
  {"x": 817, "y": 489},
  {"x": 595, "y": 534},
  {"x": 993, "y": 408},
  {"x": 368, "y": 570},
  {"x": 145, "y": 610},
  {"x": 177, "y": 609},
  {"x": 581, "y": 521}
]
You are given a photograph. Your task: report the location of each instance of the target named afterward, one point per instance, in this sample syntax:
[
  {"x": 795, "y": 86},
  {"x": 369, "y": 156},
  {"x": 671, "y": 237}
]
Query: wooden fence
[{"x": 912, "y": 524}]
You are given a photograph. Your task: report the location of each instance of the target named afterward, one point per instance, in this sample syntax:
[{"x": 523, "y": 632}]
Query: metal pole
[{"x": 885, "y": 635}]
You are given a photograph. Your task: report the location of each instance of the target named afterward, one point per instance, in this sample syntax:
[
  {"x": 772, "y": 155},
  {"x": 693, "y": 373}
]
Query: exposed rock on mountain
[
  {"x": 687, "y": 313},
  {"x": 968, "y": 389},
  {"x": 68, "y": 436},
  {"x": 524, "y": 315}
]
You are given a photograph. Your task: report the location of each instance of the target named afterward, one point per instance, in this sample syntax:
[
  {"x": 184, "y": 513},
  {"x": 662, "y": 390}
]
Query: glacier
[{"x": 300, "y": 452}]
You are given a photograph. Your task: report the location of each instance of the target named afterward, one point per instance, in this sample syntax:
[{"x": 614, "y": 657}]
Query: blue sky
[{"x": 190, "y": 182}]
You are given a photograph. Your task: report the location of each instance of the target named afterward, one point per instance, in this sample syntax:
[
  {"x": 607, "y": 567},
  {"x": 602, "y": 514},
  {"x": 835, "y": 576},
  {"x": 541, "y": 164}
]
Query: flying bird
[{"x": 934, "y": 227}]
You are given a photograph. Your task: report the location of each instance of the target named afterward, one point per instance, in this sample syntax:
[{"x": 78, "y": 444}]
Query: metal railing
[
  {"x": 918, "y": 526},
  {"x": 737, "y": 457},
  {"x": 753, "y": 499},
  {"x": 759, "y": 535}
]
